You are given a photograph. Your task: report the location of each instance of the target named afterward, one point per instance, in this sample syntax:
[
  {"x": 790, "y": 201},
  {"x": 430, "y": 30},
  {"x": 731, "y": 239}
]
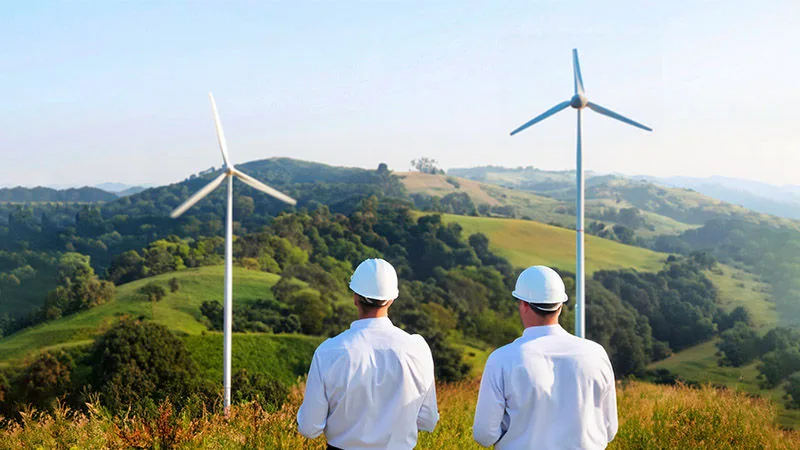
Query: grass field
[
  {"x": 285, "y": 357},
  {"x": 650, "y": 417},
  {"x": 527, "y": 204},
  {"x": 740, "y": 288},
  {"x": 178, "y": 311},
  {"x": 525, "y": 243}
]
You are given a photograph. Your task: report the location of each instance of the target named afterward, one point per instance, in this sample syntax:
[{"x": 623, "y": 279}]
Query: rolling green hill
[
  {"x": 541, "y": 207},
  {"x": 699, "y": 363},
  {"x": 178, "y": 311},
  {"x": 525, "y": 204},
  {"x": 684, "y": 206},
  {"x": 525, "y": 243}
]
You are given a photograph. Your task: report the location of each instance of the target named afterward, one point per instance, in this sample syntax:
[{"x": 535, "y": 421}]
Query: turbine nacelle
[{"x": 579, "y": 101}]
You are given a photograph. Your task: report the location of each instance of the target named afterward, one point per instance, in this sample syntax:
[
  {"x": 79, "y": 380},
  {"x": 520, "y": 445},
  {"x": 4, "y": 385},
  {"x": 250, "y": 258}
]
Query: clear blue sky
[{"x": 113, "y": 91}]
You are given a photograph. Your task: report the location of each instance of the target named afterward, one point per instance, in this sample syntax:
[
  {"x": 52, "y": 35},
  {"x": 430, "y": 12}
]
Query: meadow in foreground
[{"x": 652, "y": 417}]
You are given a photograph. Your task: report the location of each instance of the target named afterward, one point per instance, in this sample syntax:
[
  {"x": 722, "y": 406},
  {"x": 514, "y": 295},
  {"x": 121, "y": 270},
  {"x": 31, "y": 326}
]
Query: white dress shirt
[
  {"x": 370, "y": 387},
  {"x": 548, "y": 389}
]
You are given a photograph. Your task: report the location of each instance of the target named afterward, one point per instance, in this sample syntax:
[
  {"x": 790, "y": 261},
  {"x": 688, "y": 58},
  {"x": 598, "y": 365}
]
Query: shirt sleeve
[
  {"x": 313, "y": 413},
  {"x": 428, "y": 415},
  {"x": 429, "y": 412},
  {"x": 610, "y": 411},
  {"x": 489, "y": 412}
]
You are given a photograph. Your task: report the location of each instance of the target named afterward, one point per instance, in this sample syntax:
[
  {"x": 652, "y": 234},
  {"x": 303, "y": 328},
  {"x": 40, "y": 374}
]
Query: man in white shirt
[
  {"x": 548, "y": 389},
  {"x": 372, "y": 386}
]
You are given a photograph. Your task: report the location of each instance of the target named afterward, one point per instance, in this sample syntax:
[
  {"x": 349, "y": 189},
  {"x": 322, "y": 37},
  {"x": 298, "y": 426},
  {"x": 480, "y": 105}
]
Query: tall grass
[{"x": 651, "y": 417}]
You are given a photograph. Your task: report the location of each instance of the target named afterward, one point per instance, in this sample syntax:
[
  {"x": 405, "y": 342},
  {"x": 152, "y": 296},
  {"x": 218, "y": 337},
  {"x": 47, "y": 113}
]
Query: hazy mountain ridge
[
  {"x": 43, "y": 194},
  {"x": 766, "y": 198}
]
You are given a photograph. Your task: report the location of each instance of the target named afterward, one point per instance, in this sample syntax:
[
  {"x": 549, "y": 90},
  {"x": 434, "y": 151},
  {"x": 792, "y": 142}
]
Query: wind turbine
[
  {"x": 579, "y": 101},
  {"x": 229, "y": 173}
]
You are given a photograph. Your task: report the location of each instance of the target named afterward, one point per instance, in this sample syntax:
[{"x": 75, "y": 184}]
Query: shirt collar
[
  {"x": 379, "y": 322},
  {"x": 541, "y": 331}
]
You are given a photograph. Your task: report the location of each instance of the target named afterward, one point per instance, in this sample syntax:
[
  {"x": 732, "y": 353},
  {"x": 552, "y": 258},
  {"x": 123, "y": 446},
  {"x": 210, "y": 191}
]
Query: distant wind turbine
[
  {"x": 229, "y": 173},
  {"x": 579, "y": 101}
]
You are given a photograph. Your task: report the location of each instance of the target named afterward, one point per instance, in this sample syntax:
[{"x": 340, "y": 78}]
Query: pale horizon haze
[{"x": 99, "y": 92}]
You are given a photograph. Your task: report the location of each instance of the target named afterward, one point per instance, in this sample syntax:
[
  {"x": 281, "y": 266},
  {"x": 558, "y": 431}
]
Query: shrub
[
  {"x": 312, "y": 310},
  {"x": 41, "y": 381},
  {"x": 250, "y": 263},
  {"x": 268, "y": 392},
  {"x": 212, "y": 309},
  {"x": 153, "y": 291},
  {"x": 136, "y": 361},
  {"x": 174, "y": 285}
]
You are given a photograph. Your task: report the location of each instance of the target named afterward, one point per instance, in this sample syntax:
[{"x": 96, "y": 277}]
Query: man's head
[
  {"x": 374, "y": 283},
  {"x": 541, "y": 294}
]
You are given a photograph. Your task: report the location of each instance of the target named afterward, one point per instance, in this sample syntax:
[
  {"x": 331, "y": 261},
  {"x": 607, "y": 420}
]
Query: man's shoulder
[
  {"x": 503, "y": 354},
  {"x": 333, "y": 344},
  {"x": 412, "y": 343},
  {"x": 591, "y": 346},
  {"x": 344, "y": 340}
]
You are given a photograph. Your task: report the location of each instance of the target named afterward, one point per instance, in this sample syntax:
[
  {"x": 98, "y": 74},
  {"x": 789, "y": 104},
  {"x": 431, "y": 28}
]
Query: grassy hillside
[
  {"x": 699, "y": 363},
  {"x": 652, "y": 417},
  {"x": 525, "y": 243},
  {"x": 285, "y": 357},
  {"x": 740, "y": 288},
  {"x": 526, "y": 204},
  {"x": 541, "y": 207},
  {"x": 179, "y": 311},
  {"x": 684, "y": 206}
]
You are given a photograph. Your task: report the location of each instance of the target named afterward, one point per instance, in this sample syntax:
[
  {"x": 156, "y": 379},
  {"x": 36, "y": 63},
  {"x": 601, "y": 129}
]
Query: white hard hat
[
  {"x": 375, "y": 279},
  {"x": 541, "y": 285}
]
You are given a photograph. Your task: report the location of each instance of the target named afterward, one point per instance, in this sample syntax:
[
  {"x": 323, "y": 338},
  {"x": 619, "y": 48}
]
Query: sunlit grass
[
  {"x": 525, "y": 243},
  {"x": 651, "y": 417}
]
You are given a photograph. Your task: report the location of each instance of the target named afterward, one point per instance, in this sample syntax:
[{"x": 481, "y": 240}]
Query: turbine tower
[
  {"x": 229, "y": 172},
  {"x": 579, "y": 101}
]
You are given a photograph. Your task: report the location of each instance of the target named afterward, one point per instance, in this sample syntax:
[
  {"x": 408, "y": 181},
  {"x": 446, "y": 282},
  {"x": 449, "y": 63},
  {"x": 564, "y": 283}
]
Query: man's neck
[
  {"x": 373, "y": 314},
  {"x": 540, "y": 323}
]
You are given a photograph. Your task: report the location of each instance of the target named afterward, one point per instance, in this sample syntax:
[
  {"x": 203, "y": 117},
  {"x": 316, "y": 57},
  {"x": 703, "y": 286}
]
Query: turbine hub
[{"x": 578, "y": 101}]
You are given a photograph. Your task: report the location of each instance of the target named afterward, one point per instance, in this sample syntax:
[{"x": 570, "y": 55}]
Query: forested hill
[
  {"x": 308, "y": 182},
  {"x": 43, "y": 194}
]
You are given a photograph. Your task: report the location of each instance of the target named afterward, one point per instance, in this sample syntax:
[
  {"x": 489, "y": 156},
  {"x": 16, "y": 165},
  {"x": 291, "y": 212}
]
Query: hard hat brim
[
  {"x": 562, "y": 298},
  {"x": 374, "y": 296}
]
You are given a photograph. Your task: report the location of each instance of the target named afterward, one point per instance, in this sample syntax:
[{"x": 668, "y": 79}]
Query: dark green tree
[
  {"x": 137, "y": 360},
  {"x": 738, "y": 345}
]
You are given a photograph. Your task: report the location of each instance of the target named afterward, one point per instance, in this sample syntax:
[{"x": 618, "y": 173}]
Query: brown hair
[{"x": 538, "y": 309}]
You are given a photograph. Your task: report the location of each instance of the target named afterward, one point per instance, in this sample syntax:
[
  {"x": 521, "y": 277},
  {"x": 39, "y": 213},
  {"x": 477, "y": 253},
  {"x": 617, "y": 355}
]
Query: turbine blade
[
  {"x": 255, "y": 184},
  {"x": 576, "y": 72},
  {"x": 542, "y": 116},
  {"x": 223, "y": 144},
  {"x": 197, "y": 196},
  {"x": 607, "y": 112}
]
